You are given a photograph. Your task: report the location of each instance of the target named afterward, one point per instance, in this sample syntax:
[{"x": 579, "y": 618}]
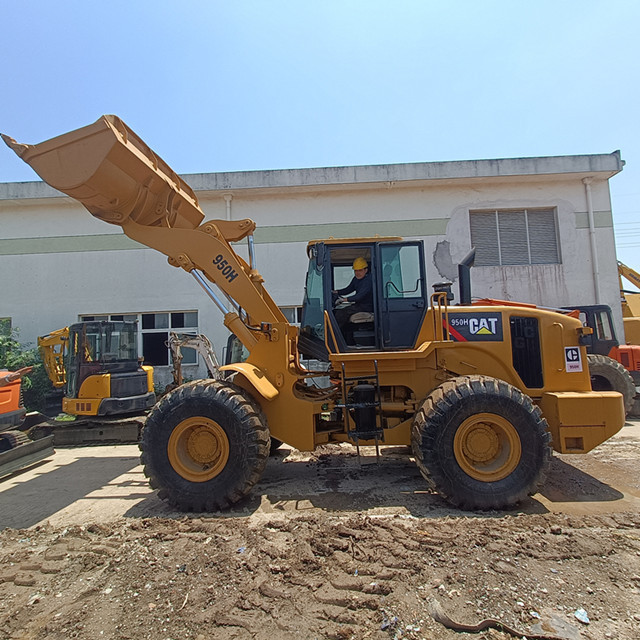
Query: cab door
[{"x": 402, "y": 297}]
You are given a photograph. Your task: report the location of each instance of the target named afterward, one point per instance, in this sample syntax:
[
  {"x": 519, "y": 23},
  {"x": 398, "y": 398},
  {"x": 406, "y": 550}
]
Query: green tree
[{"x": 13, "y": 356}]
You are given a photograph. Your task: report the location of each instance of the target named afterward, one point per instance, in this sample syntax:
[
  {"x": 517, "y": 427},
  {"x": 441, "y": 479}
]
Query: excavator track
[
  {"x": 18, "y": 451},
  {"x": 90, "y": 431}
]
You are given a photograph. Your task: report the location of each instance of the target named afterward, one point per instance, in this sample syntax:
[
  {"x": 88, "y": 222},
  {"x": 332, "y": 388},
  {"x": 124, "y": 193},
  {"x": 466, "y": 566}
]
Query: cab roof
[{"x": 350, "y": 241}]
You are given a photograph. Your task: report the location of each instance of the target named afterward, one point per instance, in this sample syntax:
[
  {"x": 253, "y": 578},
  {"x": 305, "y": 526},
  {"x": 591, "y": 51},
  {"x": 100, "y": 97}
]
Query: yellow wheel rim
[
  {"x": 487, "y": 447},
  {"x": 198, "y": 449}
]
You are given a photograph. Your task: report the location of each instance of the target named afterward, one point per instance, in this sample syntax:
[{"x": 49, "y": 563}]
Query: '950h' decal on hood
[{"x": 484, "y": 327}]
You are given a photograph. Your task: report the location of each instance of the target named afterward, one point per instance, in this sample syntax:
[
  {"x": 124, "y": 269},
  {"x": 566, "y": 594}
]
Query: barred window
[
  {"x": 153, "y": 333},
  {"x": 514, "y": 236},
  {"x": 292, "y": 314}
]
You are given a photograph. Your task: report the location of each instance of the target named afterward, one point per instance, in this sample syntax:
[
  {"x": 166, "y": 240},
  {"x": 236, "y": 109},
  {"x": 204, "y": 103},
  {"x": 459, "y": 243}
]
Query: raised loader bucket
[{"x": 114, "y": 174}]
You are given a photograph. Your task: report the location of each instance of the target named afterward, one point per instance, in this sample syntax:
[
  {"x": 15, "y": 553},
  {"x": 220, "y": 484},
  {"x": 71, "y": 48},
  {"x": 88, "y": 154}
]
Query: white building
[{"x": 542, "y": 228}]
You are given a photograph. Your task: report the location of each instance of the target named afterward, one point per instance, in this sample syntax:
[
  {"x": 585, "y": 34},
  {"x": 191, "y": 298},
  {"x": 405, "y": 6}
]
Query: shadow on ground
[
  {"x": 340, "y": 484},
  {"x": 23, "y": 505},
  {"x": 565, "y": 483}
]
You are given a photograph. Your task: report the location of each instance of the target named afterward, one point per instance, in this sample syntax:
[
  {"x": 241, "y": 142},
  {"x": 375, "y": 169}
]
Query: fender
[{"x": 255, "y": 376}]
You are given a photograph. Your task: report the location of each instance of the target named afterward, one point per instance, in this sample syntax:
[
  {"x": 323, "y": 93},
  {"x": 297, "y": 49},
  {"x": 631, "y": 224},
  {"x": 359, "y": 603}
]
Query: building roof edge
[{"x": 610, "y": 164}]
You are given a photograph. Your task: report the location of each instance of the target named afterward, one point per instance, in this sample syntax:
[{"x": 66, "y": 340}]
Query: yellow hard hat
[{"x": 359, "y": 263}]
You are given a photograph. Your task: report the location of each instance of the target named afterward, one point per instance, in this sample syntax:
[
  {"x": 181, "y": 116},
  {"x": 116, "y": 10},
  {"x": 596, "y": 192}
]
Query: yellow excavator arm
[
  {"x": 630, "y": 303},
  {"x": 630, "y": 274},
  {"x": 119, "y": 179},
  {"x": 52, "y": 349}
]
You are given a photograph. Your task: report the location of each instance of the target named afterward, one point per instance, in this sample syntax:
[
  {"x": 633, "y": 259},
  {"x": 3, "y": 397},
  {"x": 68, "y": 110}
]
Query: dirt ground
[{"x": 325, "y": 547}]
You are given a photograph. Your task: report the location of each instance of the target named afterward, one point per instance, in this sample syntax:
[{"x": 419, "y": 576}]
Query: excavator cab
[
  {"x": 399, "y": 297},
  {"x": 604, "y": 342},
  {"x": 103, "y": 372},
  {"x": 600, "y": 319}
]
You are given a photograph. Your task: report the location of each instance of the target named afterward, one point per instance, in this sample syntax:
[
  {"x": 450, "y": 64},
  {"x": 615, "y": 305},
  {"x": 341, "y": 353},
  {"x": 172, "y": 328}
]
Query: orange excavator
[{"x": 17, "y": 449}]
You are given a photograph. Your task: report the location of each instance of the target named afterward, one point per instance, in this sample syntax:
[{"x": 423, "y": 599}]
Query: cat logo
[
  {"x": 483, "y": 326},
  {"x": 479, "y": 326},
  {"x": 572, "y": 359}
]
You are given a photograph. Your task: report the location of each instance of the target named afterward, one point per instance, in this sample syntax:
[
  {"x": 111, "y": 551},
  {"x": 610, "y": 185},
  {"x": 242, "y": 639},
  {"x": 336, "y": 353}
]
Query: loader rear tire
[
  {"x": 608, "y": 374},
  {"x": 204, "y": 446},
  {"x": 481, "y": 443}
]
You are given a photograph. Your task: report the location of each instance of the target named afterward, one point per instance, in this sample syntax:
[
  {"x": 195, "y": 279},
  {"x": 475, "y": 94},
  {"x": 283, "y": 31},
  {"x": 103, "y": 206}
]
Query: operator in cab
[{"x": 357, "y": 296}]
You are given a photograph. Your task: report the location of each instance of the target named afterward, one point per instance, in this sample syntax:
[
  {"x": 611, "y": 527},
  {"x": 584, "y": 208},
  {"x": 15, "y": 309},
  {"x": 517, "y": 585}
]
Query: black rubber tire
[
  {"x": 445, "y": 411},
  {"x": 275, "y": 443},
  {"x": 608, "y": 374},
  {"x": 246, "y": 431}
]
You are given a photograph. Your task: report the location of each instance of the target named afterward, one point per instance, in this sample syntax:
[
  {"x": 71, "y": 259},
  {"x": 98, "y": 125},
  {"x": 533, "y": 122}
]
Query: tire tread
[
  {"x": 431, "y": 417},
  {"x": 255, "y": 435}
]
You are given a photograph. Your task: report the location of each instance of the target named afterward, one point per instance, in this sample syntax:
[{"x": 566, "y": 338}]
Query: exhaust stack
[{"x": 464, "y": 277}]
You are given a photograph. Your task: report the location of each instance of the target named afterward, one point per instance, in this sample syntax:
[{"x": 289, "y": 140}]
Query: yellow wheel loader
[{"x": 481, "y": 394}]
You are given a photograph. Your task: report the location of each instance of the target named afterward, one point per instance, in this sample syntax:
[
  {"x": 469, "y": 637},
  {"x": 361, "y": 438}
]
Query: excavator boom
[
  {"x": 201, "y": 345},
  {"x": 628, "y": 273},
  {"x": 52, "y": 350},
  {"x": 630, "y": 302}
]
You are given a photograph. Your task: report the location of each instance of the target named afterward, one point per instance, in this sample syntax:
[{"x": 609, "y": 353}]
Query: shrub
[{"x": 13, "y": 356}]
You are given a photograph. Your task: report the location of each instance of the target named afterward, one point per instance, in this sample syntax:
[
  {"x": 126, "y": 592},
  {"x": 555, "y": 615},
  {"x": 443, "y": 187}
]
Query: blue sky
[{"x": 259, "y": 84}]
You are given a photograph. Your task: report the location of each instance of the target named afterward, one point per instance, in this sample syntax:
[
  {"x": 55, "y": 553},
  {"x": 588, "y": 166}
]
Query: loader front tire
[
  {"x": 608, "y": 374},
  {"x": 204, "y": 446},
  {"x": 481, "y": 443}
]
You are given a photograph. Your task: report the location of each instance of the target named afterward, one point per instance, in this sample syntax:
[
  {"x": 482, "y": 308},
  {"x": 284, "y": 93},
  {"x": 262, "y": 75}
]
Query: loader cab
[{"x": 400, "y": 297}]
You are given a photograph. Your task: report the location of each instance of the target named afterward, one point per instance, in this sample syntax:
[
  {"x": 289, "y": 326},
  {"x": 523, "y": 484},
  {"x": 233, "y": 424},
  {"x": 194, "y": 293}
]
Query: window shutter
[
  {"x": 484, "y": 237},
  {"x": 542, "y": 237},
  {"x": 513, "y": 237}
]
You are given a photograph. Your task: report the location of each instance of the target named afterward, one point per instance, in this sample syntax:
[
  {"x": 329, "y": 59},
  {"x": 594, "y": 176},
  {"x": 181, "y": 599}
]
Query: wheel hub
[
  {"x": 203, "y": 445},
  {"x": 481, "y": 443},
  {"x": 198, "y": 449},
  {"x": 487, "y": 447}
]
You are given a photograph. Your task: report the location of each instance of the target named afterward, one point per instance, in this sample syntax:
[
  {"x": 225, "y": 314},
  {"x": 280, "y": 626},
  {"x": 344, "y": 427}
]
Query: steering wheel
[{"x": 342, "y": 303}]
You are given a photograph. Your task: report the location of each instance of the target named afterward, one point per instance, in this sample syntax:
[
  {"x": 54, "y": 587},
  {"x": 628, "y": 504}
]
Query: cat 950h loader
[{"x": 480, "y": 394}]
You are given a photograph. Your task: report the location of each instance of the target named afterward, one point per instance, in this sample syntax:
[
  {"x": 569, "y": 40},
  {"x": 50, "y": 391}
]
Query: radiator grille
[
  {"x": 525, "y": 345},
  {"x": 125, "y": 385}
]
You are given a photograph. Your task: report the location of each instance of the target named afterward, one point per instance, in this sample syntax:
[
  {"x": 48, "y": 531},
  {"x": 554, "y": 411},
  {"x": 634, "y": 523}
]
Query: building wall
[{"x": 62, "y": 263}]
